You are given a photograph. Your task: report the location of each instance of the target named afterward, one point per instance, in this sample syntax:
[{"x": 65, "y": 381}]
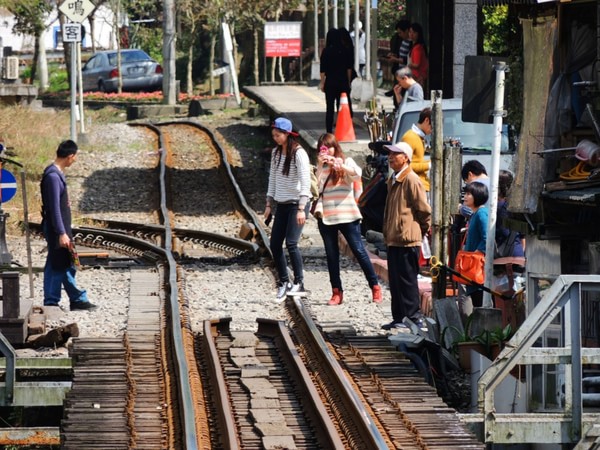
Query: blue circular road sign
[{"x": 8, "y": 185}]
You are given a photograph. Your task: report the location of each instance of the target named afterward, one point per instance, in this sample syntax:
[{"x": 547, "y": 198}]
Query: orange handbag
[{"x": 471, "y": 265}]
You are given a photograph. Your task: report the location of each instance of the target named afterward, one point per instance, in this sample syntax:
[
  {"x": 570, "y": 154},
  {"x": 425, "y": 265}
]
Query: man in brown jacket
[{"x": 406, "y": 220}]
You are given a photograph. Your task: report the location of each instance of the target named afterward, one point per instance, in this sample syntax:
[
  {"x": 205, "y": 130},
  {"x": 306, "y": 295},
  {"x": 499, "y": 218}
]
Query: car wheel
[{"x": 101, "y": 86}]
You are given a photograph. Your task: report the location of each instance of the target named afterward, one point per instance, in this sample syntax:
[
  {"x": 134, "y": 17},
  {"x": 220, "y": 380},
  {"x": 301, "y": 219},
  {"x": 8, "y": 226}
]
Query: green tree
[
  {"x": 502, "y": 36},
  {"x": 389, "y": 12},
  {"x": 30, "y": 17}
]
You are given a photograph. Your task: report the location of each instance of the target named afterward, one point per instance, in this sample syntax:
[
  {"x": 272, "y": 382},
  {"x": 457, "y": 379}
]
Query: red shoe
[
  {"x": 336, "y": 298},
  {"x": 377, "y": 295}
]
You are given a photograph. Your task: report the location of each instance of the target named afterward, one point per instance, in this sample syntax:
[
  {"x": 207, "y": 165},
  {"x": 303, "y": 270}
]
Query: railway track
[
  {"x": 168, "y": 385},
  {"x": 170, "y": 393}
]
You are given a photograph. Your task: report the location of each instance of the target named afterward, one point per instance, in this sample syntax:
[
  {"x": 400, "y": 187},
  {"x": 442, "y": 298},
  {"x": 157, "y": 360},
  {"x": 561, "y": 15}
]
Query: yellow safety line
[{"x": 320, "y": 99}]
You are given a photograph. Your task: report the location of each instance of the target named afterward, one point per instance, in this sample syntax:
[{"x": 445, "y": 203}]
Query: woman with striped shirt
[
  {"x": 338, "y": 212},
  {"x": 289, "y": 193}
]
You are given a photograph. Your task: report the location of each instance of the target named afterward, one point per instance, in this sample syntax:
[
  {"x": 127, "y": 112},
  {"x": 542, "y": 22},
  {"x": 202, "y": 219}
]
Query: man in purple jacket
[{"x": 56, "y": 222}]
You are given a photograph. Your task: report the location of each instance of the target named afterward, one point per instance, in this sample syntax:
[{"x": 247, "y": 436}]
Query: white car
[{"x": 477, "y": 139}]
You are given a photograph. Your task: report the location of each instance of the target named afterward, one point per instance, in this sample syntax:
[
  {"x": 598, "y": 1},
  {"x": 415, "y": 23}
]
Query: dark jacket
[{"x": 56, "y": 215}]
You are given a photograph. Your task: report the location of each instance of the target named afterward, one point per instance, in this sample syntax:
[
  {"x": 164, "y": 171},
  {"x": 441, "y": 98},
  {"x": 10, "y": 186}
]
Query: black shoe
[
  {"x": 421, "y": 323},
  {"x": 393, "y": 325},
  {"x": 389, "y": 93},
  {"x": 82, "y": 306}
]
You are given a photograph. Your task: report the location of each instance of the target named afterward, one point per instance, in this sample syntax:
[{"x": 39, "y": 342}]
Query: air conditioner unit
[{"x": 10, "y": 68}]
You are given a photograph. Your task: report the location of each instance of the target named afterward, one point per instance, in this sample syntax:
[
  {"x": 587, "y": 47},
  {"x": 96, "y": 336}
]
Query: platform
[{"x": 305, "y": 106}]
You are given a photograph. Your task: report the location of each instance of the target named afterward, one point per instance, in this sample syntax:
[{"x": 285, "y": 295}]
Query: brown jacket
[{"x": 407, "y": 214}]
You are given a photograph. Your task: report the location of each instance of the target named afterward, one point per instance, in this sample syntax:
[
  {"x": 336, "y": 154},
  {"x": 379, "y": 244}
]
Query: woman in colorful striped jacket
[{"x": 337, "y": 211}]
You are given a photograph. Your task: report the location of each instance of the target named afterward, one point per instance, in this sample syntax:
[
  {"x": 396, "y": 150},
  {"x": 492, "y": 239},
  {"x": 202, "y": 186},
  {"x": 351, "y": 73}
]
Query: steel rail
[
  {"x": 294, "y": 363},
  {"x": 224, "y": 412},
  {"x": 248, "y": 211},
  {"x": 188, "y": 413},
  {"x": 211, "y": 239},
  {"x": 362, "y": 420}
]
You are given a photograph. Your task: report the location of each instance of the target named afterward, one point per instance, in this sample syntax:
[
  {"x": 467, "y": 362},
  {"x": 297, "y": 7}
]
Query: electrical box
[{"x": 10, "y": 68}]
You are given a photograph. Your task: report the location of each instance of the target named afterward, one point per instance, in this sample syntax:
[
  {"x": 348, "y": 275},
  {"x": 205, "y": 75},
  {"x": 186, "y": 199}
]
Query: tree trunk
[
  {"x": 256, "y": 61},
  {"x": 36, "y": 55},
  {"x": 273, "y": 64},
  {"x": 169, "y": 39},
  {"x": 211, "y": 63},
  {"x": 66, "y": 51},
  {"x": 280, "y": 67},
  {"x": 42, "y": 64},
  {"x": 189, "y": 80},
  {"x": 92, "y": 31}
]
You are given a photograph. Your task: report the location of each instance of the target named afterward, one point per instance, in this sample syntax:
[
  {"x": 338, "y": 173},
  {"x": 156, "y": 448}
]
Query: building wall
[
  {"x": 465, "y": 39},
  {"x": 103, "y": 35}
]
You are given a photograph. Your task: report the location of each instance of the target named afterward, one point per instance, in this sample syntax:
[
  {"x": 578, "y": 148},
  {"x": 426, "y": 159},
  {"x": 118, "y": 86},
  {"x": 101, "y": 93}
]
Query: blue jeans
[
  {"x": 286, "y": 228},
  {"x": 54, "y": 279},
  {"x": 351, "y": 232},
  {"x": 59, "y": 275}
]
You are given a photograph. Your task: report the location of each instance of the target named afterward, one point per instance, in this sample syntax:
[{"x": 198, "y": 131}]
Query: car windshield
[
  {"x": 127, "y": 57},
  {"x": 473, "y": 136}
]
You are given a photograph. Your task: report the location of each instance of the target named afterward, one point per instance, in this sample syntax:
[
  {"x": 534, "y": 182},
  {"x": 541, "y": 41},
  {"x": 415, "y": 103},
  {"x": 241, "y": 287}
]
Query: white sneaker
[
  {"x": 297, "y": 289},
  {"x": 282, "y": 291}
]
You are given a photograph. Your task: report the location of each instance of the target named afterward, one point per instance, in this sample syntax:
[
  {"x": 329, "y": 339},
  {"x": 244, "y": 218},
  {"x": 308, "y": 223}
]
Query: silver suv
[{"x": 477, "y": 139}]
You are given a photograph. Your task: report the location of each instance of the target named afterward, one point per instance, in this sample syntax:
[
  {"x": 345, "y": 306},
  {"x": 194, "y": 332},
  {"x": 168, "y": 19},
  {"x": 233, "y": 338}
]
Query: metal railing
[{"x": 572, "y": 424}]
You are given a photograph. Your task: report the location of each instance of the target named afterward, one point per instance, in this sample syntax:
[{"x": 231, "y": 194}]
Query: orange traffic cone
[{"x": 344, "y": 130}]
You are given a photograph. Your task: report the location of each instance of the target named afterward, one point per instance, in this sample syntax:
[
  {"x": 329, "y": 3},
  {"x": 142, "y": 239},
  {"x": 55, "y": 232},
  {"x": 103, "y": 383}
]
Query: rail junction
[{"x": 292, "y": 384}]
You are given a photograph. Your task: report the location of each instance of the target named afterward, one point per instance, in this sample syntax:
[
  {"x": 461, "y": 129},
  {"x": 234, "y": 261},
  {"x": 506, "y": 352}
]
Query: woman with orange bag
[{"x": 476, "y": 197}]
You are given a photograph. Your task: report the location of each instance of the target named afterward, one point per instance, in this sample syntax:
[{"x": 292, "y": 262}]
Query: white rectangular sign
[
  {"x": 283, "y": 30},
  {"x": 71, "y": 32}
]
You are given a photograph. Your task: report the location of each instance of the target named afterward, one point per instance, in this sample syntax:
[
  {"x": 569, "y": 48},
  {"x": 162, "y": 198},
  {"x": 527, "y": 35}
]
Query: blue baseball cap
[{"x": 283, "y": 124}]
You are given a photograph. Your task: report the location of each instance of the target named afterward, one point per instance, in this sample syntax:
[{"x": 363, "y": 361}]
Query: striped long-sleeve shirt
[
  {"x": 339, "y": 204},
  {"x": 293, "y": 187}
]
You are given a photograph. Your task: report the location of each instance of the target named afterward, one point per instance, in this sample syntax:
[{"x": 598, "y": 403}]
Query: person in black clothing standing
[
  {"x": 336, "y": 73},
  {"x": 59, "y": 270}
]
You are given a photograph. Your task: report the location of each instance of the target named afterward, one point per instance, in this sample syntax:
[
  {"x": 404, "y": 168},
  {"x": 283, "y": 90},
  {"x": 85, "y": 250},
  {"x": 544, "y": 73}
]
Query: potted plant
[{"x": 489, "y": 343}]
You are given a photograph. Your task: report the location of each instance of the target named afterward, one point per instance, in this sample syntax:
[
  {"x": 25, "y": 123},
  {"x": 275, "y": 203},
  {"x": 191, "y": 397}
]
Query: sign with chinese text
[
  {"x": 76, "y": 10},
  {"x": 283, "y": 39},
  {"x": 71, "y": 32}
]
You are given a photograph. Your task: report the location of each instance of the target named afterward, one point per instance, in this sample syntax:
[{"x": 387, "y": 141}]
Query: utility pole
[
  {"x": 169, "y": 39},
  {"x": 501, "y": 68}
]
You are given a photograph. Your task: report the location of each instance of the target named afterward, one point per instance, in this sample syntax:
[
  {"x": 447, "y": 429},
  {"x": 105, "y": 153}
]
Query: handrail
[
  {"x": 565, "y": 292},
  {"x": 8, "y": 352}
]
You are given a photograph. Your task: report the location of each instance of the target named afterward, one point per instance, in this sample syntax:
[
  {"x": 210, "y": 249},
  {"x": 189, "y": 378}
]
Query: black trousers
[{"x": 403, "y": 269}]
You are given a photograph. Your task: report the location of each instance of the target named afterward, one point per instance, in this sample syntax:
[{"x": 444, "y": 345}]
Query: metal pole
[
  {"x": 80, "y": 84},
  {"x": 356, "y": 43},
  {"x": 367, "y": 30},
  {"x": 335, "y": 13},
  {"x": 498, "y": 113},
  {"x": 437, "y": 188},
  {"x": 347, "y": 14},
  {"x": 314, "y": 67},
  {"x": 325, "y": 17},
  {"x": 316, "y": 31},
  {"x": 27, "y": 233},
  {"x": 372, "y": 46},
  {"x": 73, "y": 92}
]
